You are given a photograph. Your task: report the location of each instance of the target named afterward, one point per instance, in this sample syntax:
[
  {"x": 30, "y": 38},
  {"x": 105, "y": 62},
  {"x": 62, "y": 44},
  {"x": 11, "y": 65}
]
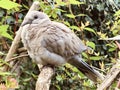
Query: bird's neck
[{"x": 44, "y": 22}]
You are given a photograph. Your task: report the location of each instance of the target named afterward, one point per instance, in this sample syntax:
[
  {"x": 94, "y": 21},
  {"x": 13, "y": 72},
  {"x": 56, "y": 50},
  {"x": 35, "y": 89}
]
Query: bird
[{"x": 53, "y": 43}]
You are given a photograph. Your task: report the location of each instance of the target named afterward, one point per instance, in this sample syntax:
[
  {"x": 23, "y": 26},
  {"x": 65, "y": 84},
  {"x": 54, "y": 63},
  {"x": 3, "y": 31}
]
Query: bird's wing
[{"x": 59, "y": 39}]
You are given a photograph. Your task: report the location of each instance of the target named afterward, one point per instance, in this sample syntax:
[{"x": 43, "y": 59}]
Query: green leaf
[
  {"x": 1, "y": 53},
  {"x": 59, "y": 3},
  {"x": 90, "y": 30},
  {"x": 75, "y": 2},
  {"x": 75, "y": 27},
  {"x": 100, "y": 7},
  {"x": 58, "y": 77},
  {"x": 88, "y": 83},
  {"x": 95, "y": 57},
  {"x": 79, "y": 72},
  {"x": 5, "y": 34},
  {"x": 2, "y": 62},
  {"x": 67, "y": 23},
  {"x": 91, "y": 44},
  {"x": 70, "y": 15},
  {"x": 5, "y": 73},
  {"x": 74, "y": 69},
  {"x": 25, "y": 6},
  {"x": 112, "y": 49},
  {"x": 7, "y": 4},
  {"x": 54, "y": 15},
  {"x": 84, "y": 55},
  {"x": 3, "y": 31},
  {"x": 27, "y": 79},
  {"x": 117, "y": 13},
  {"x": 58, "y": 87},
  {"x": 3, "y": 28},
  {"x": 111, "y": 45}
]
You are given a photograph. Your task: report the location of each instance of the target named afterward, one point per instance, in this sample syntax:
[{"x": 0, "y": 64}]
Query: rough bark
[
  {"x": 110, "y": 77},
  {"x": 44, "y": 78}
]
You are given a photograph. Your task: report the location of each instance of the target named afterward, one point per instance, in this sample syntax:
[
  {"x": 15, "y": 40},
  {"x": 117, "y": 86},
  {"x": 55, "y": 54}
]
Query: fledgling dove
[{"x": 50, "y": 42}]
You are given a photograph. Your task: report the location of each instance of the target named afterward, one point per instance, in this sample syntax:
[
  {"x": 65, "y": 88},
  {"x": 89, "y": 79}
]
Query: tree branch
[
  {"x": 44, "y": 78},
  {"x": 110, "y": 77}
]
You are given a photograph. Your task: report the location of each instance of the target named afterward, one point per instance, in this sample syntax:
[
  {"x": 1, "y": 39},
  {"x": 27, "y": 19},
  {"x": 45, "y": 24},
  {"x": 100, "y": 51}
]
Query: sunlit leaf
[
  {"x": 90, "y": 30},
  {"x": 102, "y": 65},
  {"x": 61, "y": 3},
  {"x": 67, "y": 23},
  {"x": 1, "y": 53},
  {"x": 117, "y": 13},
  {"x": 74, "y": 69},
  {"x": 115, "y": 32},
  {"x": 3, "y": 62},
  {"x": 54, "y": 15},
  {"x": 7, "y": 35},
  {"x": 95, "y": 57},
  {"x": 58, "y": 87},
  {"x": 70, "y": 15},
  {"x": 85, "y": 55},
  {"x": 25, "y": 6},
  {"x": 7, "y": 4},
  {"x": 3, "y": 28},
  {"x": 27, "y": 79},
  {"x": 58, "y": 77},
  {"x": 88, "y": 83},
  {"x": 91, "y": 44},
  {"x": 5, "y": 73},
  {"x": 110, "y": 45},
  {"x": 73, "y": 16},
  {"x": 75, "y": 27},
  {"x": 3, "y": 31},
  {"x": 87, "y": 23},
  {"x": 100, "y": 7},
  {"x": 112, "y": 49},
  {"x": 81, "y": 15},
  {"x": 75, "y": 2}
]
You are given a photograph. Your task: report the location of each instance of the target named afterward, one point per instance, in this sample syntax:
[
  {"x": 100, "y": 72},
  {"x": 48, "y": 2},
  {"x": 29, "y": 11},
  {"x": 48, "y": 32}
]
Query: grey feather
[{"x": 49, "y": 42}]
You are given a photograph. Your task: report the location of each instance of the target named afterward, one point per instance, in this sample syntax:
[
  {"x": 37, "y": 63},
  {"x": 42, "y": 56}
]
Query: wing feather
[{"x": 61, "y": 40}]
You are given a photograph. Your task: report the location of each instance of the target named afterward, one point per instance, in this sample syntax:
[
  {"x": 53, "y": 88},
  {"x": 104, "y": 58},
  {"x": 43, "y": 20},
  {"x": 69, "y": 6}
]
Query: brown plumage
[{"x": 50, "y": 42}]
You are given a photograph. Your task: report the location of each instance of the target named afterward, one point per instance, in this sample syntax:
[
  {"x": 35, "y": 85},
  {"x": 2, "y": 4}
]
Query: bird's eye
[{"x": 35, "y": 17}]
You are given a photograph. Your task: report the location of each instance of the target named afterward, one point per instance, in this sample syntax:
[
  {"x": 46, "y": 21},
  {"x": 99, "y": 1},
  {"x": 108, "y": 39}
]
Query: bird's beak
[{"x": 26, "y": 22}]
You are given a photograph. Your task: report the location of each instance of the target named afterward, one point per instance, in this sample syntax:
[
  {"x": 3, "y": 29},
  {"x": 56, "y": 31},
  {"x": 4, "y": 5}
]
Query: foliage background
[{"x": 91, "y": 20}]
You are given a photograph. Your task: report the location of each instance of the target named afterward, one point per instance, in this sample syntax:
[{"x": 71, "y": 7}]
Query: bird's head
[{"x": 35, "y": 17}]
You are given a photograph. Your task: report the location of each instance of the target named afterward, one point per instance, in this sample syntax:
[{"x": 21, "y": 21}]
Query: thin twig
[{"x": 14, "y": 58}]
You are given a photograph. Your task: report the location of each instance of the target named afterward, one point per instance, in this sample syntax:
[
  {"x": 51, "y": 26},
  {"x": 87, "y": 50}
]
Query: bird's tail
[{"x": 86, "y": 69}]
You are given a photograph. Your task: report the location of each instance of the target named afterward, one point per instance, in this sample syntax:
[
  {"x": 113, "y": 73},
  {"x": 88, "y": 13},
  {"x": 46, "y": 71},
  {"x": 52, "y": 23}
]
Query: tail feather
[{"x": 86, "y": 69}]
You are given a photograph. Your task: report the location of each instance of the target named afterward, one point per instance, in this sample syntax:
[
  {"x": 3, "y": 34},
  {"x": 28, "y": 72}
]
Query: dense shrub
[{"x": 91, "y": 20}]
